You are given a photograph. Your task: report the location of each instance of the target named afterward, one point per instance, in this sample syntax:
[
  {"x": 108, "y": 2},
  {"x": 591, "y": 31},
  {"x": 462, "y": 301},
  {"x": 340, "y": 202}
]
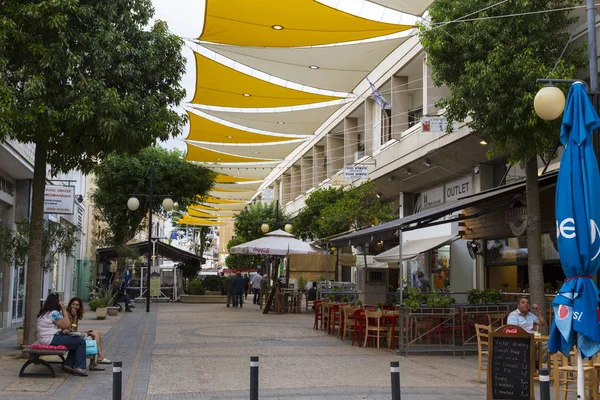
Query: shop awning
[
  {"x": 431, "y": 217},
  {"x": 412, "y": 248}
]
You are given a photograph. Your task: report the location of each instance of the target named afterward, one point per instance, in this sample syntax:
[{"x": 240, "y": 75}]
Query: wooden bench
[{"x": 34, "y": 358}]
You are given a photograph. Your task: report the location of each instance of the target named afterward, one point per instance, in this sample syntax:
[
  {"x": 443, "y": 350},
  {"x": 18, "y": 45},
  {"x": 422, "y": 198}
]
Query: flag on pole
[{"x": 378, "y": 97}]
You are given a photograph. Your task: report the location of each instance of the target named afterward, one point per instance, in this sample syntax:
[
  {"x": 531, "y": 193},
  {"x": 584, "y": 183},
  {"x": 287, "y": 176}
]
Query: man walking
[
  {"x": 238, "y": 290},
  {"x": 230, "y": 283},
  {"x": 264, "y": 289},
  {"x": 256, "y": 286},
  {"x": 246, "y": 285}
]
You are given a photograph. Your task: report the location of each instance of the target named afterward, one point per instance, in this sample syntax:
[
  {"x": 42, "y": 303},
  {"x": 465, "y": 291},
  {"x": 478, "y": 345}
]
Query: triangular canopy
[
  {"x": 223, "y": 178},
  {"x": 219, "y": 85},
  {"x": 412, "y": 248},
  {"x": 205, "y": 130},
  {"x": 414, "y": 7},
  {"x": 254, "y": 172},
  {"x": 200, "y": 154},
  {"x": 242, "y": 186},
  {"x": 286, "y": 23},
  {"x": 263, "y": 151},
  {"x": 278, "y": 243}
]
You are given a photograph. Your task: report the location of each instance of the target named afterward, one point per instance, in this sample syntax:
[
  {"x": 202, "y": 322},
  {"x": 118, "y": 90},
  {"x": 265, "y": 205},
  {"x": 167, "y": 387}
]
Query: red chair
[
  {"x": 318, "y": 313},
  {"x": 434, "y": 328},
  {"x": 359, "y": 326},
  {"x": 334, "y": 318}
]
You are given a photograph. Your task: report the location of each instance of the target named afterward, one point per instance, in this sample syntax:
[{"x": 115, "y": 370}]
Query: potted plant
[
  {"x": 548, "y": 287},
  {"x": 345, "y": 299},
  {"x": 109, "y": 295},
  {"x": 379, "y": 305},
  {"x": 302, "y": 283},
  {"x": 505, "y": 287},
  {"x": 491, "y": 296},
  {"x": 474, "y": 297},
  {"x": 20, "y": 335},
  {"x": 98, "y": 305},
  {"x": 358, "y": 304},
  {"x": 439, "y": 301}
]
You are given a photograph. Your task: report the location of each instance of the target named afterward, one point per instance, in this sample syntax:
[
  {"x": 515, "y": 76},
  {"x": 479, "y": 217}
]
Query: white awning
[{"x": 412, "y": 248}]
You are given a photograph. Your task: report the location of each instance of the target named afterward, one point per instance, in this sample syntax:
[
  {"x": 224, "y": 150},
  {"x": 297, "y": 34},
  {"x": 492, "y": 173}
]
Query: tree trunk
[
  {"x": 534, "y": 238},
  {"x": 34, "y": 256}
]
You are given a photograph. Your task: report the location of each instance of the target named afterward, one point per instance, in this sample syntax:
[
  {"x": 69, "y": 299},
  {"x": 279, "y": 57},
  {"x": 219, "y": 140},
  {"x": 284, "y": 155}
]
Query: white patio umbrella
[{"x": 277, "y": 243}]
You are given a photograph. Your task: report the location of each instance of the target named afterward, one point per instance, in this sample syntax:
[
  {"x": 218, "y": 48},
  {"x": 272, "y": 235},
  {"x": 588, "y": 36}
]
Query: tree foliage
[
  {"x": 58, "y": 238},
  {"x": 307, "y": 223},
  {"x": 332, "y": 211},
  {"x": 120, "y": 176},
  {"x": 491, "y": 65},
  {"x": 247, "y": 227}
]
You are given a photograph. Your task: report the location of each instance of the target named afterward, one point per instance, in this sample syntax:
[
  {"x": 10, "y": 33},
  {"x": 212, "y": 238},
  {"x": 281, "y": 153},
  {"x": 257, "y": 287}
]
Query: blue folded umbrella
[{"x": 576, "y": 314}]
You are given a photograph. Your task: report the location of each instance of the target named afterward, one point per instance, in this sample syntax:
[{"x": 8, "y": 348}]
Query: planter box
[
  {"x": 218, "y": 299},
  {"x": 101, "y": 313},
  {"x": 213, "y": 293},
  {"x": 113, "y": 311},
  {"x": 20, "y": 336}
]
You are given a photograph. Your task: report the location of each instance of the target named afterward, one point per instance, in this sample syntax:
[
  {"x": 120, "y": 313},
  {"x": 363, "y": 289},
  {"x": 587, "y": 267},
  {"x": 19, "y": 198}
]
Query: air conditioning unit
[{"x": 358, "y": 155}]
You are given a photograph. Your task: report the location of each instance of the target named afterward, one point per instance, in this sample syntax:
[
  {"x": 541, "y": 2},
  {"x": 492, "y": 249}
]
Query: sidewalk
[{"x": 202, "y": 351}]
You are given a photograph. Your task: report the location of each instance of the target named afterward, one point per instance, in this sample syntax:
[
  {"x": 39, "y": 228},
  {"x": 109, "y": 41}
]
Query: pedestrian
[
  {"x": 246, "y": 285},
  {"x": 238, "y": 290},
  {"x": 230, "y": 284},
  {"x": 425, "y": 286},
  {"x": 264, "y": 289},
  {"x": 312, "y": 294},
  {"x": 256, "y": 286}
]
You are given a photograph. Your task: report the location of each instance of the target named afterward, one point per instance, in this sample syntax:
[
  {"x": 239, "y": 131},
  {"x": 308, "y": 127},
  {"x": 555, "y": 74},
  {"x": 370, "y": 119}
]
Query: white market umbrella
[{"x": 277, "y": 243}]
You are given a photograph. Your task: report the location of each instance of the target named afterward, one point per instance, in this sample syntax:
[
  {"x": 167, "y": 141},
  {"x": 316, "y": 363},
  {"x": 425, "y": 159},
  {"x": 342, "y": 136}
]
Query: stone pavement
[{"x": 202, "y": 351}]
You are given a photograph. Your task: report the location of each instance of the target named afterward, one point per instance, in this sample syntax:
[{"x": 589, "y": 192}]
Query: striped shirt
[{"x": 524, "y": 322}]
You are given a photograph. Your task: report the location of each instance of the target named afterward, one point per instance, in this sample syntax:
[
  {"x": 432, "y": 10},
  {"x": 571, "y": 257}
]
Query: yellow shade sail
[
  {"x": 219, "y": 85},
  {"x": 216, "y": 200},
  {"x": 205, "y": 130},
  {"x": 200, "y": 222},
  {"x": 238, "y": 186},
  {"x": 222, "y": 178},
  {"x": 214, "y": 210},
  {"x": 199, "y": 214},
  {"x": 286, "y": 23},
  {"x": 196, "y": 153},
  {"x": 227, "y": 190}
]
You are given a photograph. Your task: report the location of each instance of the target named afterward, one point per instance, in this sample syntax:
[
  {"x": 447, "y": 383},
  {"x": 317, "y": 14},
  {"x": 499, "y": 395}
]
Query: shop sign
[
  {"x": 268, "y": 195},
  {"x": 516, "y": 217},
  {"x": 437, "y": 124},
  {"x": 432, "y": 197},
  {"x": 7, "y": 190},
  {"x": 356, "y": 172},
  {"x": 339, "y": 180},
  {"x": 459, "y": 188},
  {"x": 59, "y": 199}
]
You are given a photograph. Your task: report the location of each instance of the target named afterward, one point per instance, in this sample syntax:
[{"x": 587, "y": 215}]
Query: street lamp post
[{"x": 133, "y": 204}]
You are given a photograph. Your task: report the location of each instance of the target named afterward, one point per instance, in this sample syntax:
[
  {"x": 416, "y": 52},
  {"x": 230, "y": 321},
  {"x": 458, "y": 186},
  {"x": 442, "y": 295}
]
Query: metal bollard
[
  {"x": 253, "y": 378},
  {"x": 544, "y": 384},
  {"x": 117, "y": 380},
  {"x": 395, "y": 373}
]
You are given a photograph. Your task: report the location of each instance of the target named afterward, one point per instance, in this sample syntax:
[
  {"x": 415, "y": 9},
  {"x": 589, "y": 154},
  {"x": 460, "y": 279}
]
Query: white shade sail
[
  {"x": 414, "y": 7},
  {"x": 301, "y": 122},
  {"x": 250, "y": 171},
  {"x": 233, "y": 195},
  {"x": 412, "y": 248},
  {"x": 237, "y": 186},
  {"x": 264, "y": 150},
  {"x": 337, "y": 68},
  {"x": 278, "y": 243}
]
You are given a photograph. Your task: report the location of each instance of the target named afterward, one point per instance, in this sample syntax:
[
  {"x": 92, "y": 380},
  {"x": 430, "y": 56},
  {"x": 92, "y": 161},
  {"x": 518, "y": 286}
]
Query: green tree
[
  {"x": 247, "y": 227},
  {"x": 183, "y": 181},
  {"x": 490, "y": 66},
  {"x": 81, "y": 79},
  {"x": 307, "y": 222},
  {"x": 359, "y": 207}
]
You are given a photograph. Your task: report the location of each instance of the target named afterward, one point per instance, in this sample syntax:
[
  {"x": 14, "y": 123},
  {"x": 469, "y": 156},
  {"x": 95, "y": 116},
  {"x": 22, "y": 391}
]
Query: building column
[
  {"x": 350, "y": 139},
  {"x": 306, "y": 173},
  {"x": 295, "y": 182},
  {"x": 277, "y": 191},
  {"x": 335, "y": 153},
  {"x": 368, "y": 128},
  {"x": 400, "y": 104},
  {"x": 286, "y": 187},
  {"x": 319, "y": 171}
]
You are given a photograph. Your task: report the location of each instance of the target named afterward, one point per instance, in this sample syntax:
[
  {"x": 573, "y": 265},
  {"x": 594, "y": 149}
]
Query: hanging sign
[
  {"x": 154, "y": 285},
  {"x": 59, "y": 199},
  {"x": 437, "y": 124},
  {"x": 268, "y": 195},
  {"x": 356, "y": 172}
]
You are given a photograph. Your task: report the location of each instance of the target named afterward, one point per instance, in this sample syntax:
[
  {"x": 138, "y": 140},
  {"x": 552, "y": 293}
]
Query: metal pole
[
  {"x": 276, "y": 214},
  {"x": 150, "y": 194},
  {"x": 117, "y": 380},
  {"x": 592, "y": 52},
  {"x": 253, "y": 378},
  {"x": 544, "y": 384},
  {"x": 395, "y": 374}
]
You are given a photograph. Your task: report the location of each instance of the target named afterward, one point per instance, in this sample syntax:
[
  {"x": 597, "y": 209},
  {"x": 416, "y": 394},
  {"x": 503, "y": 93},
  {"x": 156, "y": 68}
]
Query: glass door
[{"x": 18, "y": 294}]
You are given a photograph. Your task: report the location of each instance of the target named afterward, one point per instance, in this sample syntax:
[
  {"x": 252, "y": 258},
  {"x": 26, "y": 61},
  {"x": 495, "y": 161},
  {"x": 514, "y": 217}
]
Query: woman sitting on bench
[
  {"x": 53, "y": 324},
  {"x": 76, "y": 310}
]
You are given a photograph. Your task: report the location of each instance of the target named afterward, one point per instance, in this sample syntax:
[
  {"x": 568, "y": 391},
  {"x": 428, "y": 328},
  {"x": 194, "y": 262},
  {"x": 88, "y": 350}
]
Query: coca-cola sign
[
  {"x": 511, "y": 331},
  {"x": 261, "y": 250}
]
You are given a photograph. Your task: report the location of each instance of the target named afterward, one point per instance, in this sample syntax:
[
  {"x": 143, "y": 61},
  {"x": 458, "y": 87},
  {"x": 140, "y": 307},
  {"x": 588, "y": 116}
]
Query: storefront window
[
  {"x": 514, "y": 250},
  {"x": 413, "y": 267},
  {"x": 441, "y": 268}
]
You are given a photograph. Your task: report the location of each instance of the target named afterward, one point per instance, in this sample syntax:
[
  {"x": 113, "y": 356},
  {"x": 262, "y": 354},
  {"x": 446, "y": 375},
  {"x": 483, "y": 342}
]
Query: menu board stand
[{"x": 511, "y": 363}]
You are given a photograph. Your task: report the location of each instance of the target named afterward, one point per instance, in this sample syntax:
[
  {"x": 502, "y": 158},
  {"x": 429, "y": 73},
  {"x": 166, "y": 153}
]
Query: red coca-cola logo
[
  {"x": 261, "y": 250},
  {"x": 511, "y": 331}
]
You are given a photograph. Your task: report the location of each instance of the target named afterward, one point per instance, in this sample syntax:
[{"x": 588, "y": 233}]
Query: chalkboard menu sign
[{"x": 511, "y": 362}]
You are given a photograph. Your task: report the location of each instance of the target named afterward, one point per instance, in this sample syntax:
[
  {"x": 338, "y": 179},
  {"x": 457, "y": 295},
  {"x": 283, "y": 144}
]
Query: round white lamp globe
[
  {"x": 288, "y": 228},
  {"x": 133, "y": 203},
  {"x": 264, "y": 228},
  {"x": 167, "y": 204},
  {"x": 549, "y": 103}
]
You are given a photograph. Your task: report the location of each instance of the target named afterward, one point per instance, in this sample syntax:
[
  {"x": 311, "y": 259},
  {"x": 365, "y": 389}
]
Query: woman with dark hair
[
  {"x": 76, "y": 311},
  {"x": 53, "y": 324}
]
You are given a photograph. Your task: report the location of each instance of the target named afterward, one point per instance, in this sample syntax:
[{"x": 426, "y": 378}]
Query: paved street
[{"x": 202, "y": 351}]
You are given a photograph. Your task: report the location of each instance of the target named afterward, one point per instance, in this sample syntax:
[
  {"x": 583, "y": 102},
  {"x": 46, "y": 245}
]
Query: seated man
[
  {"x": 525, "y": 319},
  {"x": 312, "y": 294}
]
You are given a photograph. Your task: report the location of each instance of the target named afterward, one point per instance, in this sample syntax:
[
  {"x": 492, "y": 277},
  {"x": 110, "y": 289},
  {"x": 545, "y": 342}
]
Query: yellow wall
[{"x": 500, "y": 275}]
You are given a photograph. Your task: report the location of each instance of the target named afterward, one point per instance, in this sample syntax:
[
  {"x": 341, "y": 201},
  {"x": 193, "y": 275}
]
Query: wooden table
[{"x": 539, "y": 342}]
